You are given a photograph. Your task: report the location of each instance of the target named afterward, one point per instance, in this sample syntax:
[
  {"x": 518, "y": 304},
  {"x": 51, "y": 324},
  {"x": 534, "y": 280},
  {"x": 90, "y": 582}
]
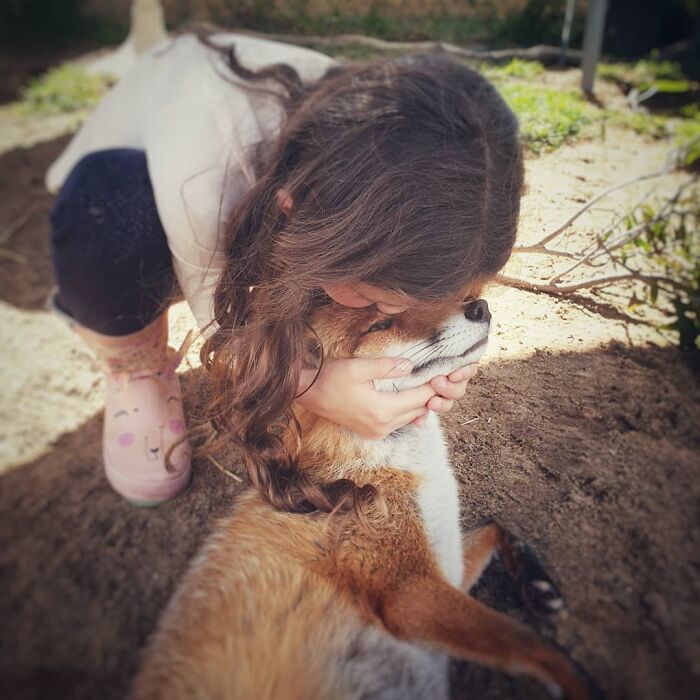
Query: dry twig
[
  {"x": 11, "y": 255},
  {"x": 541, "y": 245},
  {"x": 223, "y": 469},
  {"x": 548, "y": 55},
  {"x": 9, "y": 229},
  {"x": 598, "y": 253}
]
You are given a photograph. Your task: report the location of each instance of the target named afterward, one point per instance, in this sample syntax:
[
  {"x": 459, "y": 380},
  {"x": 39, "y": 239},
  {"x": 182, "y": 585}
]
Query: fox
[{"x": 284, "y": 605}]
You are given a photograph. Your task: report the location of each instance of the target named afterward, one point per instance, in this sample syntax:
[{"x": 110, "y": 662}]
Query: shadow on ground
[
  {"x": 592, "y": 457},
  {"x": 27, "y": 277}
]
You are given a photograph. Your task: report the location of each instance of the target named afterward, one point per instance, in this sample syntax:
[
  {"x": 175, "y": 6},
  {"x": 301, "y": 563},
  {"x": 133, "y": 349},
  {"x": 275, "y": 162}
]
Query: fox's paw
[
  {"x": 539, "y": 593},
  {"x": 542, "y": 597}
]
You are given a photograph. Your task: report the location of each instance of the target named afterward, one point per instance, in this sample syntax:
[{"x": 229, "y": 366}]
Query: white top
[{"x": 183, "y": 106}]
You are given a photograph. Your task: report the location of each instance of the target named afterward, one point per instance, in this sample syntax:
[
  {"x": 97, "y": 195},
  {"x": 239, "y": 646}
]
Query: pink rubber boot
[{"x": 143, "y": 413}]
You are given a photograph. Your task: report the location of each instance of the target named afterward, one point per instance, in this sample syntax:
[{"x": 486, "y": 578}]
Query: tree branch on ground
[
  {"x": 557, "y": 289},
  {"x": 659, "y": 248},
  {"x": 547, "y": 55}
]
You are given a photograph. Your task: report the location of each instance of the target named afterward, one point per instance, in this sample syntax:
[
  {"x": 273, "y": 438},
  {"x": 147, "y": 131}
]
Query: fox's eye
[{"x": 382, "y": 325}]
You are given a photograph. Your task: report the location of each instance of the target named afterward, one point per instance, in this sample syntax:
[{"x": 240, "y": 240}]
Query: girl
[{"x": 266, "y": 178}]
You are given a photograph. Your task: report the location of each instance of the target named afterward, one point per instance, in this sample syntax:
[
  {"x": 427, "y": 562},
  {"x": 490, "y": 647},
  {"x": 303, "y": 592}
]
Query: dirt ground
[{"x": 585, "y": 441}]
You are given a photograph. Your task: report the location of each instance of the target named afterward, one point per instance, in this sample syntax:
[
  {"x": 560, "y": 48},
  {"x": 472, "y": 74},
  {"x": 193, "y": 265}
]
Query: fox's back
[{"x": 261, "y": 614}]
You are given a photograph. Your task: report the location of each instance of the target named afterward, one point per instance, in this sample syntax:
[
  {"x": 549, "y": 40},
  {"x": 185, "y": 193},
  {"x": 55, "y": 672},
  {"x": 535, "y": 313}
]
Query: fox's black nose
[{"x": 477, "y": 310}]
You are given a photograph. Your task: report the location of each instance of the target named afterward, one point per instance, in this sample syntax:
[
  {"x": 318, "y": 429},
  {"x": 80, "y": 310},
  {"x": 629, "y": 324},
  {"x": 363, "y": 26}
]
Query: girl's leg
[
  {"x": 110, "y": 255},
  {"x": 115, "y": 279}
]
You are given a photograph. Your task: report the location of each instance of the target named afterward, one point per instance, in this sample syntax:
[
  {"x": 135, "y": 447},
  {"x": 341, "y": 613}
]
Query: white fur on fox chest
[
  {"x": 461, "y": 341},
  {"x": 422, "y": 451}
]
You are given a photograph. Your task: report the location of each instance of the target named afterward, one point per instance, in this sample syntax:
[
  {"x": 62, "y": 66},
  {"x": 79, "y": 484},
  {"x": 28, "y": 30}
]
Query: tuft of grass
[
  {"x": 63, "y": 90},
  {"x": 643, "y": 73},
  {"x": 516, "y": 68},
  {"x": 651, "y": 125},
  {"x": 670, "y": 243},
  {"x": 547, "y": 117},
  {"x": 665, "y": 77},
  {"x": 686, "y": 133}
]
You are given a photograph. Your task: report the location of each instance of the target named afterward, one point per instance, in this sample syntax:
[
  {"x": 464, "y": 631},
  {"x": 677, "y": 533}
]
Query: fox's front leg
[{"x": 479, "y": 547}]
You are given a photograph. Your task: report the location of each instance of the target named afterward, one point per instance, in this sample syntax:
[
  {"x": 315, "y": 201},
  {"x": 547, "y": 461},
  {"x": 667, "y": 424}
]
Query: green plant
[
  {"x": 527, "y": 70},
  {"x": 643, "y": 72},
  {"x": 547, "y": 116},
  {"x": 657, "y": 249},
  {"x": 651, "y": 125},
  {"x": 646, "y": 74},
  {"x": 65, "y": 89},
  {"x": 515, "y": 68},
  {"x": 687, "y": 136},
  {"x": 669, "y": 242}
]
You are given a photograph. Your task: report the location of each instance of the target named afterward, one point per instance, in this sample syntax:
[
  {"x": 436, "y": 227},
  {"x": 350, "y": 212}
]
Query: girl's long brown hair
[{"x": 404, "y": 173}]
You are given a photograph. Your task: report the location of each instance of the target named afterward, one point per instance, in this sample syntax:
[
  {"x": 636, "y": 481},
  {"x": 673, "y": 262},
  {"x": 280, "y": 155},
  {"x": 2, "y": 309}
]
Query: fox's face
[{"x": 436, "y": 340}]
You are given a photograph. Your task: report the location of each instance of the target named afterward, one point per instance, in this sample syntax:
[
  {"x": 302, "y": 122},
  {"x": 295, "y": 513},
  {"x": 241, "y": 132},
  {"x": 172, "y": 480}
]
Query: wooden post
[{"x": 593, "y": 41}]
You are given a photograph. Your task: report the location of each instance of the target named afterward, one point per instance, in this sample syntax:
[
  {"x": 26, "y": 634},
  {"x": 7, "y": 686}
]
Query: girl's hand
[
  {"x": 448, "y": 390},
  {"x": 344, "y": 394}
]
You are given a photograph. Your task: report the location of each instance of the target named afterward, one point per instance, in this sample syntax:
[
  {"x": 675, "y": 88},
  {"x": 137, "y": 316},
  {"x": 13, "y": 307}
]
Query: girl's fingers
[
  {"x": 420, "y": 420},
  {"x": 440, "y": 405},
  {"x": 409, "y": 417},
  {"x": 449, "y": 389},
  {"x": 403, "y": 402},
  {"x": 463, "y": 373}
]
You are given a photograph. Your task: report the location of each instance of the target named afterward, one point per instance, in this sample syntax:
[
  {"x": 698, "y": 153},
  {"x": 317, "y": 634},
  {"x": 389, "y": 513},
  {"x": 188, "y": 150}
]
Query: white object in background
[{"x": 147, "y": 30}]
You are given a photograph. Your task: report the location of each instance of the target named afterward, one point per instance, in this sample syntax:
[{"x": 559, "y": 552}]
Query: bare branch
[
  {"x": 225, "y": 471},
  {"x": 537, "y": 247},
  {"x": 550, "y": 288},
  {"x": 543, "y": 250},
  {"x": 581, "y": 261},
  {"x": 548, "y": 55},
  {"x": 11, "y": 255},
  {"x": 9, "y": 229},
  {"x": 594, "y": 251}
]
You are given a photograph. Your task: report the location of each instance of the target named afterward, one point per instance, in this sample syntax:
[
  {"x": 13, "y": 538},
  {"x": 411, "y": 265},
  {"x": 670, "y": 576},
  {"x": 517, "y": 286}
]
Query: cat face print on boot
[
  {"x": 143, "y": 421},
  {"x": 143, "y": 412}
]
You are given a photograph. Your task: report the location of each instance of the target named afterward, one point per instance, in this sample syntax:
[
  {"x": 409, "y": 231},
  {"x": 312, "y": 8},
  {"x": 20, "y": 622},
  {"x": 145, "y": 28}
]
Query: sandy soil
[{"x": 586, "y": 442}]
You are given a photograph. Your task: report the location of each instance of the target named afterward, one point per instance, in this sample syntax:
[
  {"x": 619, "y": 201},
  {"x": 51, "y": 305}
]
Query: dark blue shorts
[{"x": 111, "y": 260}]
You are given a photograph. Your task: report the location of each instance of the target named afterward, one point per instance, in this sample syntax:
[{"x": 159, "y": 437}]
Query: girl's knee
[
  {"x": 113, "y": 166},
  {"x": 82, "y": 204},
  {"x": 105, "y": 229}
]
